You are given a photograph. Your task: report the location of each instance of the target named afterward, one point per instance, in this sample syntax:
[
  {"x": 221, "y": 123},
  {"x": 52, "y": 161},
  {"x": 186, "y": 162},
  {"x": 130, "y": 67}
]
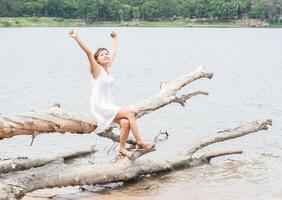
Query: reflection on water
[{"x": 246, "y": 86}]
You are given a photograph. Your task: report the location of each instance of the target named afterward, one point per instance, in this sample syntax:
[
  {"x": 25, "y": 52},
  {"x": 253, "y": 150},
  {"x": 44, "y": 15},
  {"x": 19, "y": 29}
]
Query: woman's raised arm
[
  {"x": 113, "y": 49},
  {"x": 94, "y": 66}
]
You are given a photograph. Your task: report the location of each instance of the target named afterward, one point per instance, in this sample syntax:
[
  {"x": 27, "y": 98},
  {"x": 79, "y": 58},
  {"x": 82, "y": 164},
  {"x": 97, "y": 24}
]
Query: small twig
[
  {"x": 157, "y": 137},
  {"x": 113, "y": 146},
  {"x": 33, "y": 137}
]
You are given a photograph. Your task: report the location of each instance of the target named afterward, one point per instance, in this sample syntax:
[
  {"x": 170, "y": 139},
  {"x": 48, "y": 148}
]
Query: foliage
[{"x": 149, "y": 10}]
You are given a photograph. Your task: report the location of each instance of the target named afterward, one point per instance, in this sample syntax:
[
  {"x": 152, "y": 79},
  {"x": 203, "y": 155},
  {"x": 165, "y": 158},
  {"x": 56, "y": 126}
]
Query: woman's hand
[
  {"x": 73, "y": 34},
  {"x": 113, "y": 35}
]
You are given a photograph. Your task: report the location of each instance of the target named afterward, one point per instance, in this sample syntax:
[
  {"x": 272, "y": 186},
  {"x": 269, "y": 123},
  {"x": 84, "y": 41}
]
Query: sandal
[
  {"x": 142, "y": 146},
  {"x": 128, "y": 155}
]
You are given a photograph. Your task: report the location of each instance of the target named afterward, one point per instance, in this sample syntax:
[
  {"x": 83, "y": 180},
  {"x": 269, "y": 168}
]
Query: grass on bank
[
  {"x": 175, "y": 23},
  {"x": 60, "y": 22}
]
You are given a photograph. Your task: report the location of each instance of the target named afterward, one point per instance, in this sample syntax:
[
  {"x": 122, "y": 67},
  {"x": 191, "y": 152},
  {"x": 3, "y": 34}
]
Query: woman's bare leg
[
  {"x": 134, "y": 128},
  {"x": 125, "y": 128},
  {"x": 124, "y": 133},
  {"x": 129, "y": 114}
]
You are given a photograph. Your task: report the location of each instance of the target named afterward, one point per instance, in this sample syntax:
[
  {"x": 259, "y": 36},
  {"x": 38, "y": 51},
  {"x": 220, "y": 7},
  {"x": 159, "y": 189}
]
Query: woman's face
[{"x": 103, "y": 57}]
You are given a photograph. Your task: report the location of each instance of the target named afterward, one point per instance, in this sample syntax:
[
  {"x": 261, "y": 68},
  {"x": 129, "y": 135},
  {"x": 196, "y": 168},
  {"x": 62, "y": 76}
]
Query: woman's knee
[
  {"x": 127, "y": 112},
  {"x": 134, "y": 110},
  {"x": 131, "y": 112},
  {"x": 124, "y": 123}
]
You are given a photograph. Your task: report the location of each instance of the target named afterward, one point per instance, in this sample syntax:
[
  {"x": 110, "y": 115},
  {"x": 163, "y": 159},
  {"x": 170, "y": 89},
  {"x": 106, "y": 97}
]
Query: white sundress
[{"x": 101, "y": 104}]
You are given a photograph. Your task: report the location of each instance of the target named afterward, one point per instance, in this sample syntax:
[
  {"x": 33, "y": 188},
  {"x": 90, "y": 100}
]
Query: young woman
[{"x": 102, "y": 105}]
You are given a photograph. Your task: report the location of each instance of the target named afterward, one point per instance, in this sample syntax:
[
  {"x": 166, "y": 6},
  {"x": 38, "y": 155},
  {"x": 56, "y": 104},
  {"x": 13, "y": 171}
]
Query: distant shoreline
[{"x": 196, "y": 23}]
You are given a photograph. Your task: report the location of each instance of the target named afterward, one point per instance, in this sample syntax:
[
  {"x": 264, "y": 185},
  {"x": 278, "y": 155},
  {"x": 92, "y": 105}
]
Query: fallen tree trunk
[
  {"x": 18, "y": 184},
  {"x": 56, "y": 120}
]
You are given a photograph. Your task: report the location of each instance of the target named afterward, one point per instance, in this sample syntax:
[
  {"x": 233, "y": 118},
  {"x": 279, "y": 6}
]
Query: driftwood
[
  {"x": 51, "y": 175},
  {"x": 23, "y": 163},
  {"x": 15, "y": 185},
  {"x": 57, "y": 120}
]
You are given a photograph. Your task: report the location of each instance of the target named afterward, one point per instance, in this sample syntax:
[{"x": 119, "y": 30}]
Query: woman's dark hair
[{"x": 98, "y": 51}]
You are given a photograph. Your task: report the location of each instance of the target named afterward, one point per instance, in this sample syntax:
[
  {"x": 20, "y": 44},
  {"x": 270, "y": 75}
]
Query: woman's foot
[
  {"x": 125, "y": 153},
  {"x": 145, "y": 145}
]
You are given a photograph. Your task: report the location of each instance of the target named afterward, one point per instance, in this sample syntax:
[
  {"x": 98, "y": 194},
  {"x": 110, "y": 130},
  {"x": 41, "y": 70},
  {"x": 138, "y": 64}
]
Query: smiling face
[{"x": 102, "y": 56}]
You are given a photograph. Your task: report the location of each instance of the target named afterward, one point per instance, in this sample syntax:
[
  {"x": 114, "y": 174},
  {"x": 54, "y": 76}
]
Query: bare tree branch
[
  {"x": 229, "y": 134},
  {"x": 207, "y": 157},
  {"x": 22, "y": 163}
]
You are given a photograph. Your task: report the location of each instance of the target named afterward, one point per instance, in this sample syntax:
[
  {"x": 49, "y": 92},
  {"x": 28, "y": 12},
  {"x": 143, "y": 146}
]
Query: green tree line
[{"x": 150, "y": 10}]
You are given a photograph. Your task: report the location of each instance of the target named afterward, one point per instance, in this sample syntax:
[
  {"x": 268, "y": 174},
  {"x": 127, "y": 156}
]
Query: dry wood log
[
  {"x": 57, "y": 120},
  {"x": 22, "y": 163},
  {"x": 16, "y": 185}
]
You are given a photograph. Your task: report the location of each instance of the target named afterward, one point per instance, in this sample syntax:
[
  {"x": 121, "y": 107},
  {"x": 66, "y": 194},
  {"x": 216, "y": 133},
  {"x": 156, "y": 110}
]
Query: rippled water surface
[{"x": 41, "y": 66}]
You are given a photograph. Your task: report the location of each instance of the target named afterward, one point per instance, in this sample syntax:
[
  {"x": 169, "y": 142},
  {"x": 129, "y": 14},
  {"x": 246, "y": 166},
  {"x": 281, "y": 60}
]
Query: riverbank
[{"x": 60, "y": 22}]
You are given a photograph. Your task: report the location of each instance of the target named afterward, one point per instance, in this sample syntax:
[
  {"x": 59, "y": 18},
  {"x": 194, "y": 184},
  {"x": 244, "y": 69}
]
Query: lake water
[{"x": 41, "y": 66}]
